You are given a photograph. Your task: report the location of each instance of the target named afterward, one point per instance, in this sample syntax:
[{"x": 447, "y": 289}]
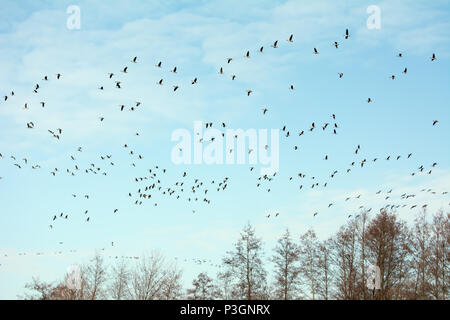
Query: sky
[{"x": 197, "y": 37}]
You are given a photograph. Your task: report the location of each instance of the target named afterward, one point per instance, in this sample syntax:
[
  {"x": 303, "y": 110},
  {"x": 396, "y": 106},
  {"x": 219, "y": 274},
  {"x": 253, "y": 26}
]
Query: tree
[
  {"x": 324, "y": 269},
  {"x": 439, "y": 263},
  {"x": 154, "y": 278},
  {"x": 203, "y": 288},
  {"x": 225, "y": 285},
  {"x": 344, "y": 255},
  {"x": 245, "y": 264},
  {"x": 309, "y": 262},
  {"x": 119, "y": 288},
  {"x": 362, "y": 220},
  {"x": 387, "y": 241},
  {"x": 287, "y": 269},
  {"x": 94, "y": 275},
  {"x": 420, "y": 245}
]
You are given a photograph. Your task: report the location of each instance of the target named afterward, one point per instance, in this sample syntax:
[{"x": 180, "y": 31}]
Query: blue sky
[{"x": 198, "y": 37}]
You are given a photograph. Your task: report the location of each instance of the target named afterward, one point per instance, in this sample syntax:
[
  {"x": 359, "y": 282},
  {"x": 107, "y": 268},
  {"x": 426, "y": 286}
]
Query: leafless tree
[
  {"x": 309, "y": 262},
  {"x": 245, "y": 264},
  {"x": 387, "y": 240},
  {"x": 439, "y": 255},
  {"x": 94, "y": 277},
  {"x": 203, "y": 288},
  {"x": 153, "y": 278},
  {"x": 119, "y": 288},
  {"x": 324, "y": 269},
  {"x": 287, "y": 268},
  {"x": 345, "y": 262}
]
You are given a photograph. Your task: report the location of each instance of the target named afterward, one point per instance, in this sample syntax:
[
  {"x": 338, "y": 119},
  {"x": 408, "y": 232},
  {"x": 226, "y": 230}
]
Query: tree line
[{"x": 376, "y": 258}]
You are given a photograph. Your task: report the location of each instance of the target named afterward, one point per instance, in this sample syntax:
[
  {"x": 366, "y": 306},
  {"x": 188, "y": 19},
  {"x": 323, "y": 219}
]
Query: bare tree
[
  {"x": 309, "y": 262},
  {"x": 119, "y": 288},
  {"x": 439, "y": 255},
  {"x": 362, "y": 221},
  {"x": 225, "y": 285},
  {"x": 94, "y": 275},
  {"x": 245, "y": 263},
  {"x": 287, "y": 269},
  {"x": 153, "y": 278},
  {"x": 387, "y": 239},
  {"x": 420, "y": 245},
  {"x": 324, "y": 269},
  {"x": 203, "y": 288},
  {"x": 345, "y": 262}
]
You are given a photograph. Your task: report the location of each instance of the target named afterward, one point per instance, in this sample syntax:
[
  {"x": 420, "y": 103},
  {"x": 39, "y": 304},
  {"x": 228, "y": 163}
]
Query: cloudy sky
[{"x": 197, "y": 37}]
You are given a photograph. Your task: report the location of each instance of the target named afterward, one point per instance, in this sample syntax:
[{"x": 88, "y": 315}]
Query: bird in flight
[{"x": 346, "y": 34}]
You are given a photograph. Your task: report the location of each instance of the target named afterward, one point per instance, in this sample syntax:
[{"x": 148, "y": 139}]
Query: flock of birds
[{"x": 154, "y": 183}]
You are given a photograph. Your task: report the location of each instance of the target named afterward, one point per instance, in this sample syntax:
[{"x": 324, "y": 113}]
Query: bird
[
  {"x": 435, "y": 122},
  {"x": 315, "y": 51},
  {"x": 290, "y": 38},
  {"x": 433, "y": 57},
  {"x": 405, "y": 71},
  {"x": 346, "y": 34},
  {"x": 275, "y": 44}
]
